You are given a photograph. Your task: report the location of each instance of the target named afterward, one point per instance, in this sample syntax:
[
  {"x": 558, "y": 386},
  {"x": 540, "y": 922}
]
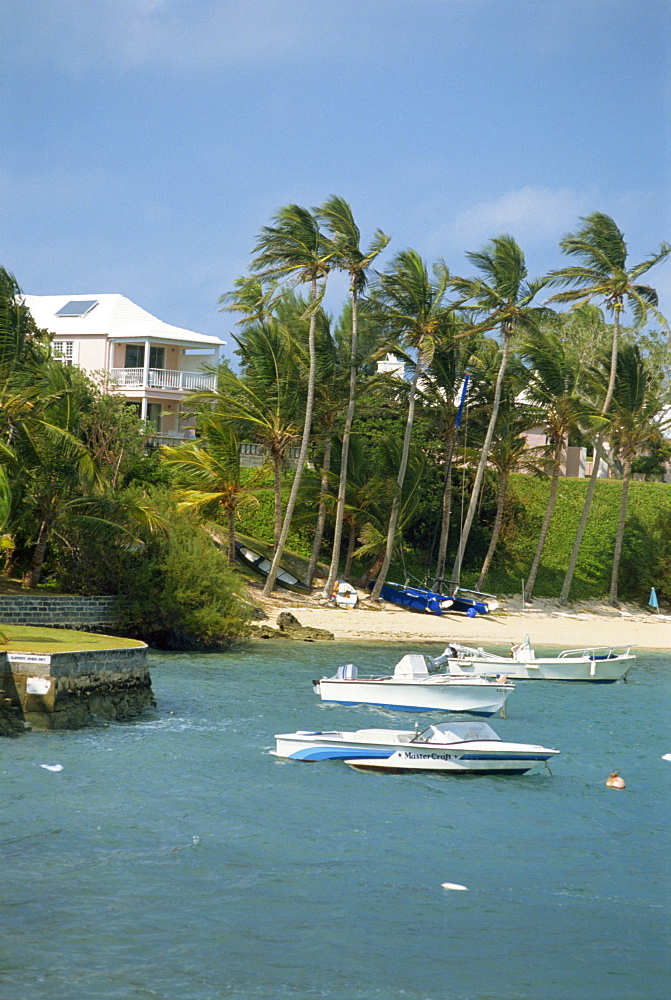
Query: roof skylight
[{"x": 77, "y": 308}]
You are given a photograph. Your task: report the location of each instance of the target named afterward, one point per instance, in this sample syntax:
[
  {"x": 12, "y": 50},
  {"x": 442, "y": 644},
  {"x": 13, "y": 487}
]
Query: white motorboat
[
  {"x": 413, "y": 688},
  {"x": 458, "y": 747},
  {"x": 604, "y": 664}
]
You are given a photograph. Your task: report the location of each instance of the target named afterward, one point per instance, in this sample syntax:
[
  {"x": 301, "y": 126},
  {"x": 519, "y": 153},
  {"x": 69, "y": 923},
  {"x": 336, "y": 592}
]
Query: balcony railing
[{"x": 161, "y": 378}]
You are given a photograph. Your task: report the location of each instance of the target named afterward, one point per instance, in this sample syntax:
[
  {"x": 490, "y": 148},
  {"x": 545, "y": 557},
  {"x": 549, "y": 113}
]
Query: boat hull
[
  {"x": 437, "y": 694},
  {"x": 434, "y": 603},
  {"x": 403, "y": 761},
  {"x": 605, "y": 671},
  {"x": 408, "y": 750}
]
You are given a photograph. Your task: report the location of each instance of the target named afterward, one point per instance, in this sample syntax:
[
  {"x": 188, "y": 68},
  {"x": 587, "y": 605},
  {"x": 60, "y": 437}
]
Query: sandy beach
[{"x": 544, "y": 622}]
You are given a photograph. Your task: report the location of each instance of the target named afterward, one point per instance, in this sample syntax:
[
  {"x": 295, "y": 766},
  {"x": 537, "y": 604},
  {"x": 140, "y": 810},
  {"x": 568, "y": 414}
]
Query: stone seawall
[
  {"x": 87, "y": 614},
  {"x": 64, "y": 690}
]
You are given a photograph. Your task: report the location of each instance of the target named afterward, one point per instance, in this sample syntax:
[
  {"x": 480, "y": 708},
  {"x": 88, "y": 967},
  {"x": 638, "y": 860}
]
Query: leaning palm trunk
[
  {"x": 624, "y": 501},
  {"x": 598, "y": 454},
  {"x": 446, "y": 508},
  {"x": 303, "y": 453},
  {"x": 351, "y": 545},
  {"x": 545, "y": 526},
  {"x": 32, "y": 577},
  {"x": 321, "y": 513},
  {"x": 480, "y": 474},
  {"x": 400, "y": 479},
  {"x": 231, "y": 535},
  {"x": 496, "y": 531},
  {"x": 277, "y": 498},
  {"x": 349, "y": 418}
]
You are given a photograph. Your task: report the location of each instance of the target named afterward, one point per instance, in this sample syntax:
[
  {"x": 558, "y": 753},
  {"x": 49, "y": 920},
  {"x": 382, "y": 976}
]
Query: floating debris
[
  {"x": 453, "y": 885},
  {"x": 52, "y": 767}
]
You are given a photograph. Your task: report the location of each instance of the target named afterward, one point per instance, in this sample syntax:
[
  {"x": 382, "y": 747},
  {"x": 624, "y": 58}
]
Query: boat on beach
[
  {"x": 434, "y": 603},
  {"x": 455, "y": 747},
  {"x": 261, "y": 564},
  {"x": 601, "y": 664},
  {"x": 414, "y": 688}
]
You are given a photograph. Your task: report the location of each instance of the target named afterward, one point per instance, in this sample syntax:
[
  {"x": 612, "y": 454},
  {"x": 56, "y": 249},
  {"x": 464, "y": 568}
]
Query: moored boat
[
  {"x": 457, "y": 747},
  {"x": 413, "y": 688},
  {"x": 604, "y": 664}
]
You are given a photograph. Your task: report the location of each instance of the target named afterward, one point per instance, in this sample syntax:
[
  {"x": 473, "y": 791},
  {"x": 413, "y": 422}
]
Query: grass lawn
[{"x": 33, "y": 639}]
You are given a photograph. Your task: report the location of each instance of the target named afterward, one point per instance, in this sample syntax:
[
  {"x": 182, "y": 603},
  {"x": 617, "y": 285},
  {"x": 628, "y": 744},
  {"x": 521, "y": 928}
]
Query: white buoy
[
  {"x": 615, "y": 781},
  {"x": 52, "y": 767},
  {"x": 453, "y": 885}
]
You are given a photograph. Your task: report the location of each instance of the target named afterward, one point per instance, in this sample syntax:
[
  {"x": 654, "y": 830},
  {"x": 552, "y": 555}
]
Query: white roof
[{"x": 113, "y": 316}]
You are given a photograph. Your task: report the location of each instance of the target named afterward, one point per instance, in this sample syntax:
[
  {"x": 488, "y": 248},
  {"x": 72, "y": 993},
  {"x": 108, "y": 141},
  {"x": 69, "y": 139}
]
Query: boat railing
[{"x": 595, "y": 652}]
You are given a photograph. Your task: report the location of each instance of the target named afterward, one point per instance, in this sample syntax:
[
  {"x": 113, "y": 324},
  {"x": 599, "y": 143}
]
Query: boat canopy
[{"x": 456, "y": 732}]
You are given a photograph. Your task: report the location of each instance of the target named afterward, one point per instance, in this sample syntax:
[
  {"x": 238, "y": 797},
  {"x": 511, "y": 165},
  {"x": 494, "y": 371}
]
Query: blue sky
[{"x": 145, "y": 142}]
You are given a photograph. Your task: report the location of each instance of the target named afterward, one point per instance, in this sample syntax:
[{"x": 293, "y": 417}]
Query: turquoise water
[{"x": 173, "y": 859}]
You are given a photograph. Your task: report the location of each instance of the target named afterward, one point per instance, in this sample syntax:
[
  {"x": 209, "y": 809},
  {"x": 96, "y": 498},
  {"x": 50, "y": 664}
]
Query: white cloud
[
  {"x": 532, "y": 215},
  {"x": 79, "y": 36}
]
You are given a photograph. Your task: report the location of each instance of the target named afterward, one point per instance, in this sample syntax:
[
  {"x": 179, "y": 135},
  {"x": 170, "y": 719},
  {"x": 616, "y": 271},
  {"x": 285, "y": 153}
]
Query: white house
[{"x": 152, "y": 364}]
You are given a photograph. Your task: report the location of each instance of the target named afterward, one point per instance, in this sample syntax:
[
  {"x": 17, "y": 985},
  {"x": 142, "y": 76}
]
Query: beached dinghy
[
  {"x": 413, "y": 688},
  {"x": 457, "y": 747},
  {"x": 260, "y": 564},
  {"x": 604, "y": 664}
]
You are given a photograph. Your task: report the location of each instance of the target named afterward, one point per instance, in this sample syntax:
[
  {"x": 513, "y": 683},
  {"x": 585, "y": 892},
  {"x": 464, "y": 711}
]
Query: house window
[
  {"x": 64, "y": 350},
  {"x": 134, "y": 356},
  {"x": 154, "y": 412},
  {"x": 157, "y": 357}
]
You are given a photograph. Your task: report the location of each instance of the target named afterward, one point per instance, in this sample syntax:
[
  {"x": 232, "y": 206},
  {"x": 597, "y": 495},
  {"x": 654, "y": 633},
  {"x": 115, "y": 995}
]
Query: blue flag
[
  {"x": 652, "y": 601},
  {"x": 467, "y": 375}
]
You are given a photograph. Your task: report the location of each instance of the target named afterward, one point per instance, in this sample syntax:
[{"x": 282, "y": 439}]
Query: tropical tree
[
  {"x": 64, "y": 490},
  {"x": 446, "y": 387},
  {"x": 336, "y": 216},
  {"x": 501, "y": 299},
  {"x": 551, "y": 384},
  {"x": 602, "y": 273},
  {"x": 412, "y": 304},
  {"x": 207, "y": 476},
  {"x": 634, "y": 424},
  {"x": 509, "y": 452},
  {"x": 294, "y": 248}
]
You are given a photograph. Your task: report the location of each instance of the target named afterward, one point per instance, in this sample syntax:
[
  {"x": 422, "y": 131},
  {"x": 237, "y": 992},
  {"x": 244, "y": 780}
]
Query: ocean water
[{"x": 172, "y": 858}]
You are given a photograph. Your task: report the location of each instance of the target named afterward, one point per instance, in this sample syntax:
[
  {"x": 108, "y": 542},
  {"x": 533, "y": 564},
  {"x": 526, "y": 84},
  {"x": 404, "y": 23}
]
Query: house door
[{"x": 154, "y": 414}]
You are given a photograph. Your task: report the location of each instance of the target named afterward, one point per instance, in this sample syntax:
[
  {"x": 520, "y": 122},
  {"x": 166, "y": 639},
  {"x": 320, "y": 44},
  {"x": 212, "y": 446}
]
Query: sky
[{"x": 146, "y": 142}]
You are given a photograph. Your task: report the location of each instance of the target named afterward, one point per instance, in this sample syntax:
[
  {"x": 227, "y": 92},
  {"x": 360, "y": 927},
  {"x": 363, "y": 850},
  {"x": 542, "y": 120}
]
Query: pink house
[{"x": 152, "y": 364}]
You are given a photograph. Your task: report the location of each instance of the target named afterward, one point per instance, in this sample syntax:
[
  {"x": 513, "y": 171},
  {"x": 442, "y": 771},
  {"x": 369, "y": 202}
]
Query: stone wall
[
  {"x": 87, "y": 614},
  {"x": 63, "y": 690}
]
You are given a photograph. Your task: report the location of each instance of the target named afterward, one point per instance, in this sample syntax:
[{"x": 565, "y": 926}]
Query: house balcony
[{"x": 161, "y": 378}]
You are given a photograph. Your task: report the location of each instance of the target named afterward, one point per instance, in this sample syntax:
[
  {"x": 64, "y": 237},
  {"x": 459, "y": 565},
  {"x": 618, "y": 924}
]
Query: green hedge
[{"x": 642, "y": 566}]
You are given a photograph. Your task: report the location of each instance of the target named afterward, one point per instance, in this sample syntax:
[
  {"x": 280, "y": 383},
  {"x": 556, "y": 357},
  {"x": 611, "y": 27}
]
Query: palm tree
[
  {"x": 603, "y": 274},
  {"x": 447, "y": 382},
  {"x": 551, "y": 384},
  {"x": 413, "y": 303},
  {"x": 208, "y": 475},
  {"x": 503, "y": 297},
  {"x": 508, "y": 453},
  {"x": 338, "y": 220},
  {"x": 633, "y": 425},
  {"x": 295, "y": 248},
  {"x": 64, "y": 488}
]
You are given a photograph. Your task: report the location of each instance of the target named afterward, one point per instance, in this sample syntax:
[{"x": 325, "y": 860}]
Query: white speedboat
[
  {"x": 413, "y": 688},
  {"x": 459, "y": 747},
  {"x": 596, "y": 663}
]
